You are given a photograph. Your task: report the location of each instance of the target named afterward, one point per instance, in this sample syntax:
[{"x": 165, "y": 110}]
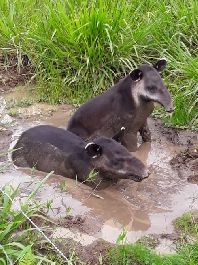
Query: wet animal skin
[
  {"x": 127, "y": 104},
  {"x": 48, "y": 148}
]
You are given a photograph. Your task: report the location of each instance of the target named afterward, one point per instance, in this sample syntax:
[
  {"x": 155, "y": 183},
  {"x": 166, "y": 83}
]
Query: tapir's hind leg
[{"x": 145, "y": 133}]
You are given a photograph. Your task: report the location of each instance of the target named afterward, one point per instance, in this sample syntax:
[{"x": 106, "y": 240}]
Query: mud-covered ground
[
  {"x": 87, "y": 216},
  {"x": 14, "y": 71}
]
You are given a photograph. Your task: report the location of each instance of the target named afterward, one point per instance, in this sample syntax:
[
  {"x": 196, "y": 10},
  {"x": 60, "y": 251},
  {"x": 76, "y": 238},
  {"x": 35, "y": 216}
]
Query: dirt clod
[{"x": 186, "y": 163}]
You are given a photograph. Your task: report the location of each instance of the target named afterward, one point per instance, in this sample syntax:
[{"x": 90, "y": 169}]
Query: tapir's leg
[
  {"x": 145, "y": 133},
  {"x": 130, "y": 141},
  {"x": 118, "y": 137}
]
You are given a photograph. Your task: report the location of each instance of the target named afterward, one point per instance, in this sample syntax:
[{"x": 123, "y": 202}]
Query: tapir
[
  {"x": 48, "y": 148},
  {"x": 127, "y": 104}
]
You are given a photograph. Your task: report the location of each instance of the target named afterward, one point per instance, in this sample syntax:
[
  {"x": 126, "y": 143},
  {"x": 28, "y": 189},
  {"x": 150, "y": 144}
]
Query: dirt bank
[{"x": 14, "y": 71}]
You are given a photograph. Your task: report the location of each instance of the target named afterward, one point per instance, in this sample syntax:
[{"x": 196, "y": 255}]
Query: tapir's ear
[
  {"x": 93, "y": 150},
  {"x": 136, "y": 75},
  {"x": 160, "y": 65},
  {"x": 118, "y": 137}
]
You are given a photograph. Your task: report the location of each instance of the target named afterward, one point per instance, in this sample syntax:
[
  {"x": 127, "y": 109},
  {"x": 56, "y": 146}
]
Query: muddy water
[{"x": 140, "y": 208}]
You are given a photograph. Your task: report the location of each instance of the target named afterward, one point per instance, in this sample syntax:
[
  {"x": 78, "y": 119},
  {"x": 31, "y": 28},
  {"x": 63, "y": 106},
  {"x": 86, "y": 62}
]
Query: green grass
[
  {"x": 79, "y": 48},
  {"x": 143, "y": 254},
  {"x": 187, "y": 224},
  {"x": 17, "y": 238},
  {"x": 138, "y": 254},
  {"x": 20, "y": 241}
]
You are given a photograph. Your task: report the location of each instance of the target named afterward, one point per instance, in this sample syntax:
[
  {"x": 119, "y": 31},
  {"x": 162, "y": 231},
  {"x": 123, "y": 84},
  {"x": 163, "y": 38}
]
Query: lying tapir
[
  {"x": 128, "y": 104},
  {"x": 48, "y": 148}
]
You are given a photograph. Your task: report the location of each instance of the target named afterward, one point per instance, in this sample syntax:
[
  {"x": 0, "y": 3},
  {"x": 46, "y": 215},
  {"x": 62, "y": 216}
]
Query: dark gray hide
[
  {"x": 127, "y": 104},
  {"x": 48, "y": 148}
]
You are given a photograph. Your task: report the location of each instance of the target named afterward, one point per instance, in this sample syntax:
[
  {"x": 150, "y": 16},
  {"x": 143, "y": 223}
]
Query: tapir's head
[
  {"x": 113, "y": 160},
  {"x": 148, "y": 85}
]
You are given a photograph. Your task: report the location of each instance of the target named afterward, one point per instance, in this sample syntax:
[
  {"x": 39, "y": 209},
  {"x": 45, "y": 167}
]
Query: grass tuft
[{"x": 187, "y": 224}]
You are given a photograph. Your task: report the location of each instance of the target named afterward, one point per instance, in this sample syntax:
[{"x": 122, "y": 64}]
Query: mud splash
[{"x": 142, "y": 208}]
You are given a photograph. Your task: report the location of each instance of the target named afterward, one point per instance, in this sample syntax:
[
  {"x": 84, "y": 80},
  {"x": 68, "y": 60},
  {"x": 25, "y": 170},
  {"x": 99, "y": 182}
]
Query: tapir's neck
[
  {"x": 124, "y": 90},
  {"x": 90, "y": 164}
]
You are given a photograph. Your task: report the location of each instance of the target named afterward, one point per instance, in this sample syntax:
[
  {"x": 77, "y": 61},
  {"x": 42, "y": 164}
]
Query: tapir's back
[
  {"x": 45, "y": 143},
  {"x": 61, "y": 138}
]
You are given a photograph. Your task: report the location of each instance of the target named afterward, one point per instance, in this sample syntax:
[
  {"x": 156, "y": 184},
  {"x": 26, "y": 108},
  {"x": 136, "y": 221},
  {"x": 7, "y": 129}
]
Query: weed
[
  {"x": 62, "y": 185},
  {"x": 150, "y": 241},
  {"x": 136, "y": 254},
  {"x": 122, "y": 237},
  {"x": 49, "y": 205},
  {"x": 11, "y": 104},
  {"x": 13, "y": 112},
  {"x": 18, "y": 240},
  {"x": 139, "y": 254},
  {"x": 24, "y": 102},
  {"x": 15, "y": 246},
  {"x": 68, "y": 210},
  {"x": 92, "y": 176},
  {"x": 33, "y": 170},
  {"x": 187, "y": 224}
]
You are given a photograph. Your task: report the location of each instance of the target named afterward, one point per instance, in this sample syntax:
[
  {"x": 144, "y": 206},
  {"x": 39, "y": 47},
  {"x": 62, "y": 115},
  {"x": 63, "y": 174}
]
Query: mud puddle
[{"x": 141, "y": 209}]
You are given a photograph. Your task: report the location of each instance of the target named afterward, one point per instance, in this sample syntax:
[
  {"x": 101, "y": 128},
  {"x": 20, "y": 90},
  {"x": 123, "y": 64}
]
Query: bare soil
[
  {"x": 186, "y": 164},
  {"x": 14, "y": 71}
]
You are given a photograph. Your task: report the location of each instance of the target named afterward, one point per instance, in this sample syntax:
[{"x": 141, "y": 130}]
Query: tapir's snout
[
  {"x": 146, "y": 174},
  {"x": 170, "y": 108},
  {"x": 166, "y": 101},
  {"x": 139, "y": 178}
]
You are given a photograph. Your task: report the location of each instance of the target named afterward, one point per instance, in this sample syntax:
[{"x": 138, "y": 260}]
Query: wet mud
[
  {"x": 86, "y": 215},
  {"x": 186, "y": 164}
]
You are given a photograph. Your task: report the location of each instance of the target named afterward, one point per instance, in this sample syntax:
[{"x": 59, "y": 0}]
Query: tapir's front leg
[
  {"x": 145, "y": 133},
  {"x": 130, "y": 141}
]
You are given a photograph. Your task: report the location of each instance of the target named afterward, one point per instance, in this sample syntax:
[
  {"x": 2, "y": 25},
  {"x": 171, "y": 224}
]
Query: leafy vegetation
[
  {"x": 139, "y": 254},
  {"x": 133, "y": 254},
  {"x": 18, "y": 241},
  {"x": 79, "y": 48},
  {"x": 187, "y": 224},
  {"x": 20, "y": 238},
  {"x": 17, "y": 238}
]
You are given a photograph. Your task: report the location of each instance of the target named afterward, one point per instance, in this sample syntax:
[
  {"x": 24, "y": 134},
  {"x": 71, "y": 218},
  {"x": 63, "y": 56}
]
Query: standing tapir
[
  {"x": 128, "y": 104},
  {"x": 48, "y": 148}
]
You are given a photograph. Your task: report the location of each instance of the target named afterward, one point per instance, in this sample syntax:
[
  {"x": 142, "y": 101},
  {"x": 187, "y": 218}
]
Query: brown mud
[
  {"x": 14, "y": 71},
  {"x": 186, "y": 164},
  {"x": 85, "y": 215}
]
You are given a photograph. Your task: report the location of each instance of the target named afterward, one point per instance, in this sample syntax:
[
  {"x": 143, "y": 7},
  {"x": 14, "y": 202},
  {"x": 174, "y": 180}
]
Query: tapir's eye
[
  {"x": 93, "y": 150},
  {"x": 152, "y": 89}
]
